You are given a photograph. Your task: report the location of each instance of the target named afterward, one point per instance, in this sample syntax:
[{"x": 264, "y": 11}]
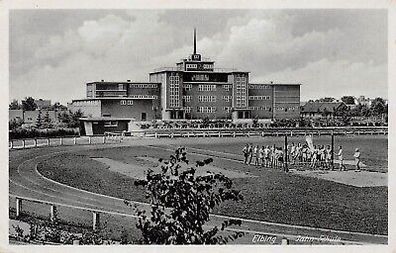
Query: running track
[{"x": 26, "y": 181}]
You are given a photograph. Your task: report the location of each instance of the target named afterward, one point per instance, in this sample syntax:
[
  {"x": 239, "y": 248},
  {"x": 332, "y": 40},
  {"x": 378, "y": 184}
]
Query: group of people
[{"x": 316, "y": 156}]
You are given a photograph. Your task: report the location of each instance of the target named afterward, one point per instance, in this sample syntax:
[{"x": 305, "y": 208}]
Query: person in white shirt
[
  {"x": 267, "y": 156},
  {"x": 261, "y": 156},
  {"x": 341, "y": 159},
  {"x": 357, "y": 159}
]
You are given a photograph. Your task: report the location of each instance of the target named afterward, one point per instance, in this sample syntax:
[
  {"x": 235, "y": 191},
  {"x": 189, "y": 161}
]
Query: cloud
[
  {"x": 284, "y": 46},
  {"x": 334, "y": 78}
]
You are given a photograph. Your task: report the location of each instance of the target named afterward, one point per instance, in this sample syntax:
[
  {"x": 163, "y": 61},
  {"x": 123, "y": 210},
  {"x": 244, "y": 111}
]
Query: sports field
[
  {"x": 374, "y": 149},
  {"x": 269, "y": 194}
]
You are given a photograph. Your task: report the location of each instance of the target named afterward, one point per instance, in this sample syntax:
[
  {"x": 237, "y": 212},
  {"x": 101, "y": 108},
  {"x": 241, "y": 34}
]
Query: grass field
[
  {"x": 272, "y": 196},
  {"x": 374, "y": 149}
]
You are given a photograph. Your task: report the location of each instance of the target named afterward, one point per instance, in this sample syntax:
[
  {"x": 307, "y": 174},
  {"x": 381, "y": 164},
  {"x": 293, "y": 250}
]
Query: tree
[
  {"x": 39, "y": 120},
  {"x": 47, "y": 120},
  {"x": 378, "y": 107},
  {"x": 28, "y": 104},
  {"x": 14, "y": 105},
  {"x": 75, "y": 118},
  {"x": 349, "y": 100},
  {"x": 57, "y": 106},
  {"x": 181, "y": 203},
  {"x": 205, "y": 121},
  {"x": 327, "y": 99},
  {"x": 15, "y": 123}
]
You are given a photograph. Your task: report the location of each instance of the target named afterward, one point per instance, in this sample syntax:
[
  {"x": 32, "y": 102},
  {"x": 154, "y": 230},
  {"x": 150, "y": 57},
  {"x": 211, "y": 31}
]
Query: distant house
[
  {"x": 15, "y": 115},
  {"x": 30, "y": 117},
  {"x": 320, "y": 109}
]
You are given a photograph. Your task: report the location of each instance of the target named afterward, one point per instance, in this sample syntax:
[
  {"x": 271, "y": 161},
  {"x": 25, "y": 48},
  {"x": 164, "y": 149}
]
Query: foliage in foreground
[{"x": 181, "y": 203}]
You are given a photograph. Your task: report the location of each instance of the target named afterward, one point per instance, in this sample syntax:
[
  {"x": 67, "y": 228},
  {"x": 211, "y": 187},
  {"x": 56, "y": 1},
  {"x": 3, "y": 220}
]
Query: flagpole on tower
[{"x": 195, "y": 40}]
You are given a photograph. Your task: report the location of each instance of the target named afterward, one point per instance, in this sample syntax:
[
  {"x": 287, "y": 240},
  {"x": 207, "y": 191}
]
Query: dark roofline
[
  {"x": 273, "y": 84},
  {"x": 123, "y": 82}
]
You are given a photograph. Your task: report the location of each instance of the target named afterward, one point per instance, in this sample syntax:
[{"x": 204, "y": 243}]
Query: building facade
[{"x": 193, "y": 89}]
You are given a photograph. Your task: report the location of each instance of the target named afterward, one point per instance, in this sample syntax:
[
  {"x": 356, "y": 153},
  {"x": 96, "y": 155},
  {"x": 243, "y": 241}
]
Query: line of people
[{"x": 319, "y": 156}]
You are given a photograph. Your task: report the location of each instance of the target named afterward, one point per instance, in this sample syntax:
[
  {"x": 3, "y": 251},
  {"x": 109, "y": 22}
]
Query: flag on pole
[{"x": 309, "y": 141}]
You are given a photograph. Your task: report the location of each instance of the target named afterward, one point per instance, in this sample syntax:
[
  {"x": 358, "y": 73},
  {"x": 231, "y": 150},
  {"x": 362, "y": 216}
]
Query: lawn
[
  {"x": 374, "y": 149},
  {"x": 272, "y": 196}
]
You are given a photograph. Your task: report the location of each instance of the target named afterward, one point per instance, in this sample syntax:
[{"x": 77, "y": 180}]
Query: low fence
[
  {"x": 108, "y": 137},
  {"x": 221, "y": 132},
  {"x": 24, "y": 205}
]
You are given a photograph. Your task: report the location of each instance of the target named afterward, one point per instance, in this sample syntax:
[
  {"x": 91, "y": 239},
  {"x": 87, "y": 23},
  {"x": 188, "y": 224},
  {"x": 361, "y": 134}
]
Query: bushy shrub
[
  {"x": 21, "y": 133},
  {"x": 181, "y": 203}
]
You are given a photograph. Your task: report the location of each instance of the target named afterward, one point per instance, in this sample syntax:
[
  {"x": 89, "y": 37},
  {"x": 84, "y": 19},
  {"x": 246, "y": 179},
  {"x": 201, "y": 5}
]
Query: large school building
[{"x": 193, "y": 89}]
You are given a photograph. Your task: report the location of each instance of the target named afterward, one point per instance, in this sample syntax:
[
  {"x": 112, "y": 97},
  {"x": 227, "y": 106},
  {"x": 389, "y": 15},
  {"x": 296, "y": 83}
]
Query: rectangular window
[
  {"x": 187, "y": 98},
  {"x": 130, "y": 102},
  {"x": 187, "y": 86}
]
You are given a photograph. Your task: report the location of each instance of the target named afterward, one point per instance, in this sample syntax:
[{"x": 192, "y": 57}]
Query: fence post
[
  {"x": 60, "y": 141},
  {"x": 12, "y": 144},
  {"x": 23, "y": 143},
  {"x": 156, "y": 135},
  {"x": 48, "y": 142},
  {"x": 89, "y": 139},
  {"x": 74, "y": 140},
  {"x": 18, "y": 207},
  {"x": 104, "y": 139},
  {"x": 35, "y": 142},
  {"x": 234, "y": 134},
  {"x": 53, "y": 213},
  {"x": 95, "y": 221}
]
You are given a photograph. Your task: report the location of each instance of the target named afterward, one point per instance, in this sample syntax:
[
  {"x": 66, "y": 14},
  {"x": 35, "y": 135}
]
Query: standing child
[
  {"x": 255, "y": 154},
  {"x": 328, "y": 157},
  {"x": 357, "y": 159},
  {"x": 245, "y": 152},
  {"x": 314, "y": 157},
  {"x": 261, "y": 156},
  {"x": 341, "y": 159},
  {"x": 267, "y": 153},
  {"x": 250, "y": 152}
]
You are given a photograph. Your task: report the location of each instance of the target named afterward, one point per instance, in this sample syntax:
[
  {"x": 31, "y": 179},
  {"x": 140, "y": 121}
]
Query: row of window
[
  {"x": 203, "y": 109},
  {"x": 144, "y": 86},
  {"x": 260, "y": 108},
  {"x": 143, "y": 96},
  {"x": 187, "y": 98},
  {"x": 207, "y": 87},
  {"x": 259, "y": 97},
  {"x": 174, "y": 90},
  {"x": 126, "y": 102},
  {"x": 211, "y": 99},
  {"x": 203, "y": 87},
  {"x": 259, "y": 87},
  {"x": 188, "y": 86},
  {"x": 227, "y": 87},
  {"x": 227, "y": 98},
  {"x": 206, "y": 109},
  {"x": 285, "y": 109},
  {"x": 240, "y": 94},
  {"x": 86, "y": 103}
]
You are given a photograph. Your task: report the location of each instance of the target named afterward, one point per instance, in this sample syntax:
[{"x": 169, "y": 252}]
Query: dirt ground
[
  {"x": 138, "y": 169},
  {"x": 351, "y": 177}
]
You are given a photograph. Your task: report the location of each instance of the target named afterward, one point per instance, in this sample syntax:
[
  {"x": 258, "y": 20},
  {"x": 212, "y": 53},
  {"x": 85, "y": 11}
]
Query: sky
[{"x": 331, "y": 52}]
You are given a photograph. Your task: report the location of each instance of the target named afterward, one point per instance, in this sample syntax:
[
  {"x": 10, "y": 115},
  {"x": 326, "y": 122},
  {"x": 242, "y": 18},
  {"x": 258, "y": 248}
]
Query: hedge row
[{"x": 34, "y": 133}]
